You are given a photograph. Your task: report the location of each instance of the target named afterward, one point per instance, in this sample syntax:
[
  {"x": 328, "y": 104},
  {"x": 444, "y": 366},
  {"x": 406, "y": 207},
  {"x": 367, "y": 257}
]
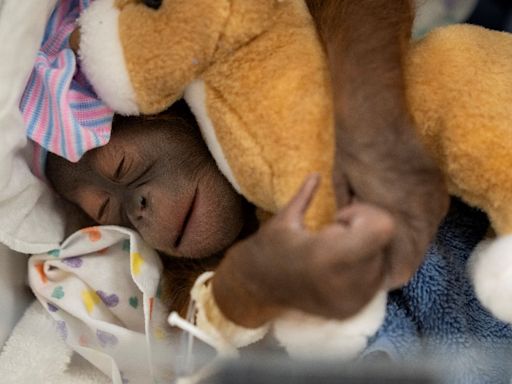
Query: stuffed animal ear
[
  {"x": 140, "y": 56},
  {"x": 102, "y": 57}
]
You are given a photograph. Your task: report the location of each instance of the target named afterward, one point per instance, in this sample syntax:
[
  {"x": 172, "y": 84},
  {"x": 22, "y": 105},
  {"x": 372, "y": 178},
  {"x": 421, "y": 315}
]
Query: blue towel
[{"x": 437, "y": 316}]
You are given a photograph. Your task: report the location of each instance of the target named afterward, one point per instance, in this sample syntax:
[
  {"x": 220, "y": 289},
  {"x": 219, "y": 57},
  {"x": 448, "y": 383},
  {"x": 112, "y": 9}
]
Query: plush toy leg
[
  {"x": 311, "y": 337},
  {"x": 491, "y": 271}
]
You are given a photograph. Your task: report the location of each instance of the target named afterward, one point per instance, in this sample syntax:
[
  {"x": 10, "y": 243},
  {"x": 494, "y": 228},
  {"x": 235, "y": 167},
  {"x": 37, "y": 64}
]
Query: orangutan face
[{"x": 157, "y": 177}]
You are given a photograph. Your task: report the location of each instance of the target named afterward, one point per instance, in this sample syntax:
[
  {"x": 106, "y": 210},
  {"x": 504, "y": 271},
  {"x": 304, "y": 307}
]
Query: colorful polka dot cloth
[{"x": 102, "y": 288}]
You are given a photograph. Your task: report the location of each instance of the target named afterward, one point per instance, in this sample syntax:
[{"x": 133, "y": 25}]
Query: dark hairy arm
[
  {"x": 331, "y": 273},
  {"x": 379, "y": 158}
]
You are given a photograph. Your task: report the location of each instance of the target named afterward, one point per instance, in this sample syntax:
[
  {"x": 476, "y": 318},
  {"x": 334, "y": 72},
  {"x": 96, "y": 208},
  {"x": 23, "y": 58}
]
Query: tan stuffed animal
[{"x": 255, "y": 76}]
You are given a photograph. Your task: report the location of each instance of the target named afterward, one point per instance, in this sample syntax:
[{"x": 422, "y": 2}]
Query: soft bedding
[
  {"x": 35, "y": 353},
  {"x": 30, "y": 221},
  {"x": 15, "y": 296},
  {"x": 101, "y": 286},
  {"x": 437, "y": 316}
]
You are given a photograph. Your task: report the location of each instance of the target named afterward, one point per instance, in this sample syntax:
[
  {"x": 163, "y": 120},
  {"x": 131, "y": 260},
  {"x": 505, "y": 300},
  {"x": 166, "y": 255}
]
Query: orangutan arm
[{"x": 379, "y": 158}]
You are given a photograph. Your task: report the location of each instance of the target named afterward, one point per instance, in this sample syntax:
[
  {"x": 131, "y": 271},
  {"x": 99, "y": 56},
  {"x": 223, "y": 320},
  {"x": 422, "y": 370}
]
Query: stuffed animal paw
[{"x": 307, "y": 336}]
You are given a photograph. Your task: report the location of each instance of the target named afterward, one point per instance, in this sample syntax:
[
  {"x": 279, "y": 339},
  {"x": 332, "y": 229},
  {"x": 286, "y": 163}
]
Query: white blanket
[
  {"x": 101, "y": 286},
  {"x": 35, "y": 353},
  {"x": 29, "y": 220}
]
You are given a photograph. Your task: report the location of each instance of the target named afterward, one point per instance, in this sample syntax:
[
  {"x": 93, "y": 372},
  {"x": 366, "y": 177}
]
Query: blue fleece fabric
[{"x": 437, "y": 316}]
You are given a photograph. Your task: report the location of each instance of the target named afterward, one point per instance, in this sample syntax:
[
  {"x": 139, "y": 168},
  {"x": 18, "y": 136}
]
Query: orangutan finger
[{"x": 296, "y": 208}]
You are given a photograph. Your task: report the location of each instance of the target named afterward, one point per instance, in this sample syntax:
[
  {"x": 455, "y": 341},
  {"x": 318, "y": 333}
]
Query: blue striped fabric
[{"x": 62, "y": 113}]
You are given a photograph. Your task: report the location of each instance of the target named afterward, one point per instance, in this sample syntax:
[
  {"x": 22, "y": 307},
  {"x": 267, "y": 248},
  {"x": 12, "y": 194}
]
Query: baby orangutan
[{"x": 157, "y": 177}]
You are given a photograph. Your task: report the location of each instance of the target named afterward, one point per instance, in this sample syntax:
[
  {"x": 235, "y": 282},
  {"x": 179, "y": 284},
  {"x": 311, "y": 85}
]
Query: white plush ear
[
  {"x": 312, "y": 337},
  {"x": 102, "y": 58},
  {"x": 490, "y": 268}
]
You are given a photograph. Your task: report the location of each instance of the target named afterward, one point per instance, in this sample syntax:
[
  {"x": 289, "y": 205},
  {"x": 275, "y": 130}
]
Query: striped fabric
[{"x": 61, "y": 111}]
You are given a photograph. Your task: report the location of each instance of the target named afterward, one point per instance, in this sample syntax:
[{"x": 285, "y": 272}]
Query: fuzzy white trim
[
  {"x": 490, "y": 268},
  {"x": 46, "y": 358},
  {"x": 311, "y": 337},
  {"x": 195, "y": 96},
  {"x": 102, "y": 58}
]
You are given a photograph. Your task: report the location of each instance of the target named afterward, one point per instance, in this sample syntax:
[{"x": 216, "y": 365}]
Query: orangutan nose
[
  {"x": 137, "y": 208},
  {"x": 155, "y": 4},
  {"x": 142, "y": 203}
]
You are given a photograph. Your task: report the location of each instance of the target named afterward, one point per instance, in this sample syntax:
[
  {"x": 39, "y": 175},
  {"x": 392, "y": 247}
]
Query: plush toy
[{"x": 255, "y": 76}]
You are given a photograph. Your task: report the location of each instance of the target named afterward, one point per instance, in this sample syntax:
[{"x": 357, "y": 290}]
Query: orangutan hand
[
  {"x": 333, "y": 272},
  {"x": 380, "y": 159}
]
